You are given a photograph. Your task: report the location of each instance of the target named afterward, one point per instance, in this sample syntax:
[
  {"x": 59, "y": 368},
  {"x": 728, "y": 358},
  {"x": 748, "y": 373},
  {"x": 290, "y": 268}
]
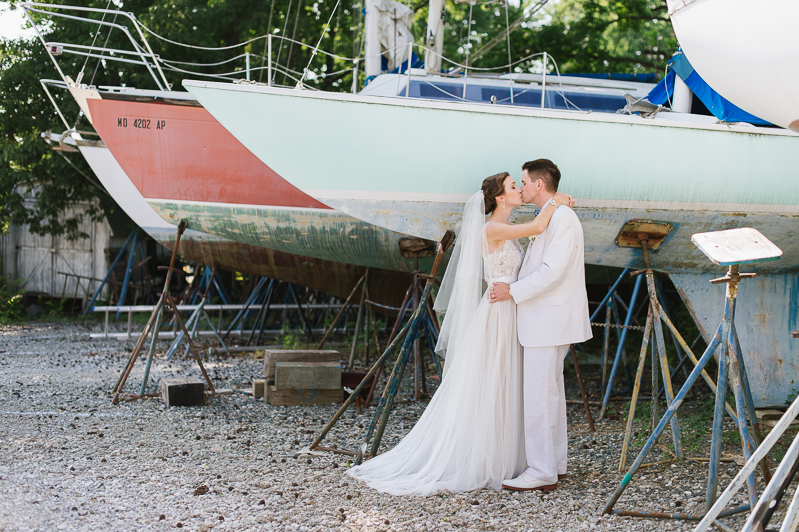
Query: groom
[{"x": 552, "y": 309}]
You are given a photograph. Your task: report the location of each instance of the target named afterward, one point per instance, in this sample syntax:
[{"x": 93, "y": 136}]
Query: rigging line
[
  {"x": 101, "y": 189},
  {"x": 293, "y": 34},
  {"x": 96, "y": 33},
  {"x": 510, "y": 69},
  {"x": 266, "y": 41},
  {"x": 105, "y": 45},
  {"x": 469, "y": 36},
  {"x": 496, "y": 39},
  {"x": 316, "y": 48},
  {"x": 560, "y": 84},
  {"x": 169, "y": 61},
  {"x": 280, "y": 48}
]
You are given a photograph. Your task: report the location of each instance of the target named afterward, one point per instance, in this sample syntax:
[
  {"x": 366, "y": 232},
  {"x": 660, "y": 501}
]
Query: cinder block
[
  {"x": 258, "y": 386},
  {"x": 183, "y": 391},
  {"x": 273, "y": 356},
  {"x": 304, "y": 397},
  {"x": 307, "y": 375}
]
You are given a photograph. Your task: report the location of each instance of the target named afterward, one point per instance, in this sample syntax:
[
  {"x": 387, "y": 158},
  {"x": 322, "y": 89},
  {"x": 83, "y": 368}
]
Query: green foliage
[
  {"x": 10, "y": 299},
  {"x": 289, "y": 337}
]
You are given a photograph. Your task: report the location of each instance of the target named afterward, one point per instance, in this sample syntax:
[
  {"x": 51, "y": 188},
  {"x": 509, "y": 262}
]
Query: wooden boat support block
[
  {"x": 268, "y": 391},
  {"x": 258, "y": 386},
  {"x": 273, "y": 356},
  {"x": 183, "y": 391},
  {"x": 308, "y": 375},
  {"x": 304, "y": 397}
]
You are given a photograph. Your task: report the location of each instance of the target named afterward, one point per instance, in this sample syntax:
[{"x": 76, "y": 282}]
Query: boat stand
[
  {"x": 775, "y": 490},
  {"x": 152, "y": 328},
  {"x": 410, "y": 332},
  {"x": 649, "y": 235},
  {"x": 729, "y": 248},
  {"x": 193, "y": 322}
]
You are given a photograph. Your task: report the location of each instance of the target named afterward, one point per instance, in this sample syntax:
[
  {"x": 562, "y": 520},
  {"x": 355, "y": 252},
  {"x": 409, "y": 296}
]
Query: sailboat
[
  {"x": 331, "y": 277},
  {"x": 723, "y": 39}
]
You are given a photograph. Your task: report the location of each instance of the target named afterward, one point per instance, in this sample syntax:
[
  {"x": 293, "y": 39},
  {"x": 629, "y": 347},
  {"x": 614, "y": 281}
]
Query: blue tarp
[{"x": 715, "y": 102}]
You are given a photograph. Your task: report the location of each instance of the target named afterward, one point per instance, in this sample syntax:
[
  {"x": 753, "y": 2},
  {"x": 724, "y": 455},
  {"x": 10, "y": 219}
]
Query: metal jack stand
[
  {"x": 152, "y": 327},
  {"x": 729, "y": 248},
  {"x": 775, "y": 490},
  {"x": 413, "y": 329},
  {"x": 649, "y": 234}
]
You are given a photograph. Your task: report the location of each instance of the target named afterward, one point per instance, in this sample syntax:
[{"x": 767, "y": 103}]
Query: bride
[{"x": 471, "y": 435}]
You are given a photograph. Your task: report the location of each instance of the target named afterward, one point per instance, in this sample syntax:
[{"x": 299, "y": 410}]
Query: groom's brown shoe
[{"x": 562, "y": 477}]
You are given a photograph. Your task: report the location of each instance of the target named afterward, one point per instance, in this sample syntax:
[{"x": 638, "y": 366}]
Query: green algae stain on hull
[{"x": 317, "y": 233}]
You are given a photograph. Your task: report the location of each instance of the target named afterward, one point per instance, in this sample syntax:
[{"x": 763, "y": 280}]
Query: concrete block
[
  {"x": 304, "y": 397},
  {"x": 183, "y": 391},
  {"x": 273, "y": 356},
  {"x": 258, "y": 386},
  {"x": 307, "y": 375}
]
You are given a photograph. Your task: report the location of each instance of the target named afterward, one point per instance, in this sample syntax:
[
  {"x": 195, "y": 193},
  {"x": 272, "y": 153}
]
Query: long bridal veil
[
  {"x": 463, "y": 282},
  {"x": 470, "y": 436}
]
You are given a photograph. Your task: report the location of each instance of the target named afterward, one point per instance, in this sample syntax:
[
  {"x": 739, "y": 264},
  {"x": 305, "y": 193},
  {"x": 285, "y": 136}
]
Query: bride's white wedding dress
[{"x": 471, "y": 435}]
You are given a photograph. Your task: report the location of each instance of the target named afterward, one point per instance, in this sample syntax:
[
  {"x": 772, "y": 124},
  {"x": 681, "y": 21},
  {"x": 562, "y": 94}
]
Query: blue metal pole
[
  {"x": 627, "y": 320},
  {"x": 127, "y": 271},
  {"x": 697, "y": 371},
  {"x": 606, "y": 342},
  {"x": 247, "y": 304},
  {"x": 743, "y": 427},
  {"x": 108, "y": 274},
  {"x": 610, "y": 293},
  {"x": 151, "y": 352},
  {"x": 718, "y": 416},
  {"x": 756, "y": 434},
  {"x": 221, "y": 292}
]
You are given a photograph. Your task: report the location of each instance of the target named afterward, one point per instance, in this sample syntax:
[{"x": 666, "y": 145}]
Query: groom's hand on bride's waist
[{"x": 499, "y": 292}]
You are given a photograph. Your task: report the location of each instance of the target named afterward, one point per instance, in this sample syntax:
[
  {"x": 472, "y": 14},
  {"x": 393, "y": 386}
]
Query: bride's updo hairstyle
[{"x": 492, "y": 187}]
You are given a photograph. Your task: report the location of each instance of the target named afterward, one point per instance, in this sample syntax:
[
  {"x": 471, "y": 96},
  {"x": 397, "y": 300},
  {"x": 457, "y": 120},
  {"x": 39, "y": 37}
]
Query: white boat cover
[
  {"x": 394, "y": 29},
  {"x": 746, "y": 51}
]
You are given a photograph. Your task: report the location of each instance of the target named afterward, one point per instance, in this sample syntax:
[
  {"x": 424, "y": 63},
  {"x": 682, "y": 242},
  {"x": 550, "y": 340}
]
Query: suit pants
[{"x": 545, "y": 412}]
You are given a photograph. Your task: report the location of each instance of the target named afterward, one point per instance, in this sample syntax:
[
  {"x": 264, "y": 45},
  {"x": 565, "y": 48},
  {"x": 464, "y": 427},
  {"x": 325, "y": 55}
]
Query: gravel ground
[{"x": 69, "y": 460}]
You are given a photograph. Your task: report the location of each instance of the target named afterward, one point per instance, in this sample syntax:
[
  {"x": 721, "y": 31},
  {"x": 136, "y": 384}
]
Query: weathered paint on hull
[
  {"x": 765, "y": 315},
  {"x": 318, "y": 234},
  {"x": 700, "y": 177},
  {"x": 331, "y": 277},
  {"x": 188, "y": 166},
  {"x": 334, "y": 278}
]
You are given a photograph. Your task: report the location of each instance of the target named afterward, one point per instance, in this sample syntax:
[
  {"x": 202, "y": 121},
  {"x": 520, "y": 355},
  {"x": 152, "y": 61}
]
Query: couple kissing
[{"x": 498, "y": 419}]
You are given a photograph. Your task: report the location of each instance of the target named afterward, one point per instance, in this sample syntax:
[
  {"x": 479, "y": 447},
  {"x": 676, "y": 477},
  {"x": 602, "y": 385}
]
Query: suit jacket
[{"x": 552, "y": 304}]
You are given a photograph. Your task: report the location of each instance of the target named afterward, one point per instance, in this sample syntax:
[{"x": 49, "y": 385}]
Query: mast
[
  {"x": 435, "y": 36},
  {"x": 372, "y": 40}
]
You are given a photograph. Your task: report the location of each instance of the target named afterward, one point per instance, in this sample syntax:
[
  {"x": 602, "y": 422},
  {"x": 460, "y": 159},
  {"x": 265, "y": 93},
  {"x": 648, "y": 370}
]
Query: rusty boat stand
[
  {"x": 411, "y": 331},
  {"x": 729, "y": 248},
  {"x": 153, "y": 324}
]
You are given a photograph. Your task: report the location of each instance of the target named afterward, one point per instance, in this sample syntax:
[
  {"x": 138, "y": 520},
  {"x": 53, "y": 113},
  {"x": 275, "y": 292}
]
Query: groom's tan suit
[{"x": 552, "y": 307}]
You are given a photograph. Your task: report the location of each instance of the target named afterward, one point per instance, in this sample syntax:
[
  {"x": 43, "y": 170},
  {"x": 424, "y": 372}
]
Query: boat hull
[
  {"x": 696, "y": 175},
  {"x": 705, "y": 181},
  {"x": 720, "y": 36},
  {"x": 187, "y": 166},
  {"x": 327, "y": 276}
]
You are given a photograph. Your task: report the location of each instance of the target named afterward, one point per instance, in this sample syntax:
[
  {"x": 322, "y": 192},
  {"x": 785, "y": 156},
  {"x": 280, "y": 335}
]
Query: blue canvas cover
[{"x": 715, "y": 102}]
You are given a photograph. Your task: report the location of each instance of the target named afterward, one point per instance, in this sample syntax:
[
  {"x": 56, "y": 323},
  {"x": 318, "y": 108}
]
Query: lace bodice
[{"x": 505, "y": 261}]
